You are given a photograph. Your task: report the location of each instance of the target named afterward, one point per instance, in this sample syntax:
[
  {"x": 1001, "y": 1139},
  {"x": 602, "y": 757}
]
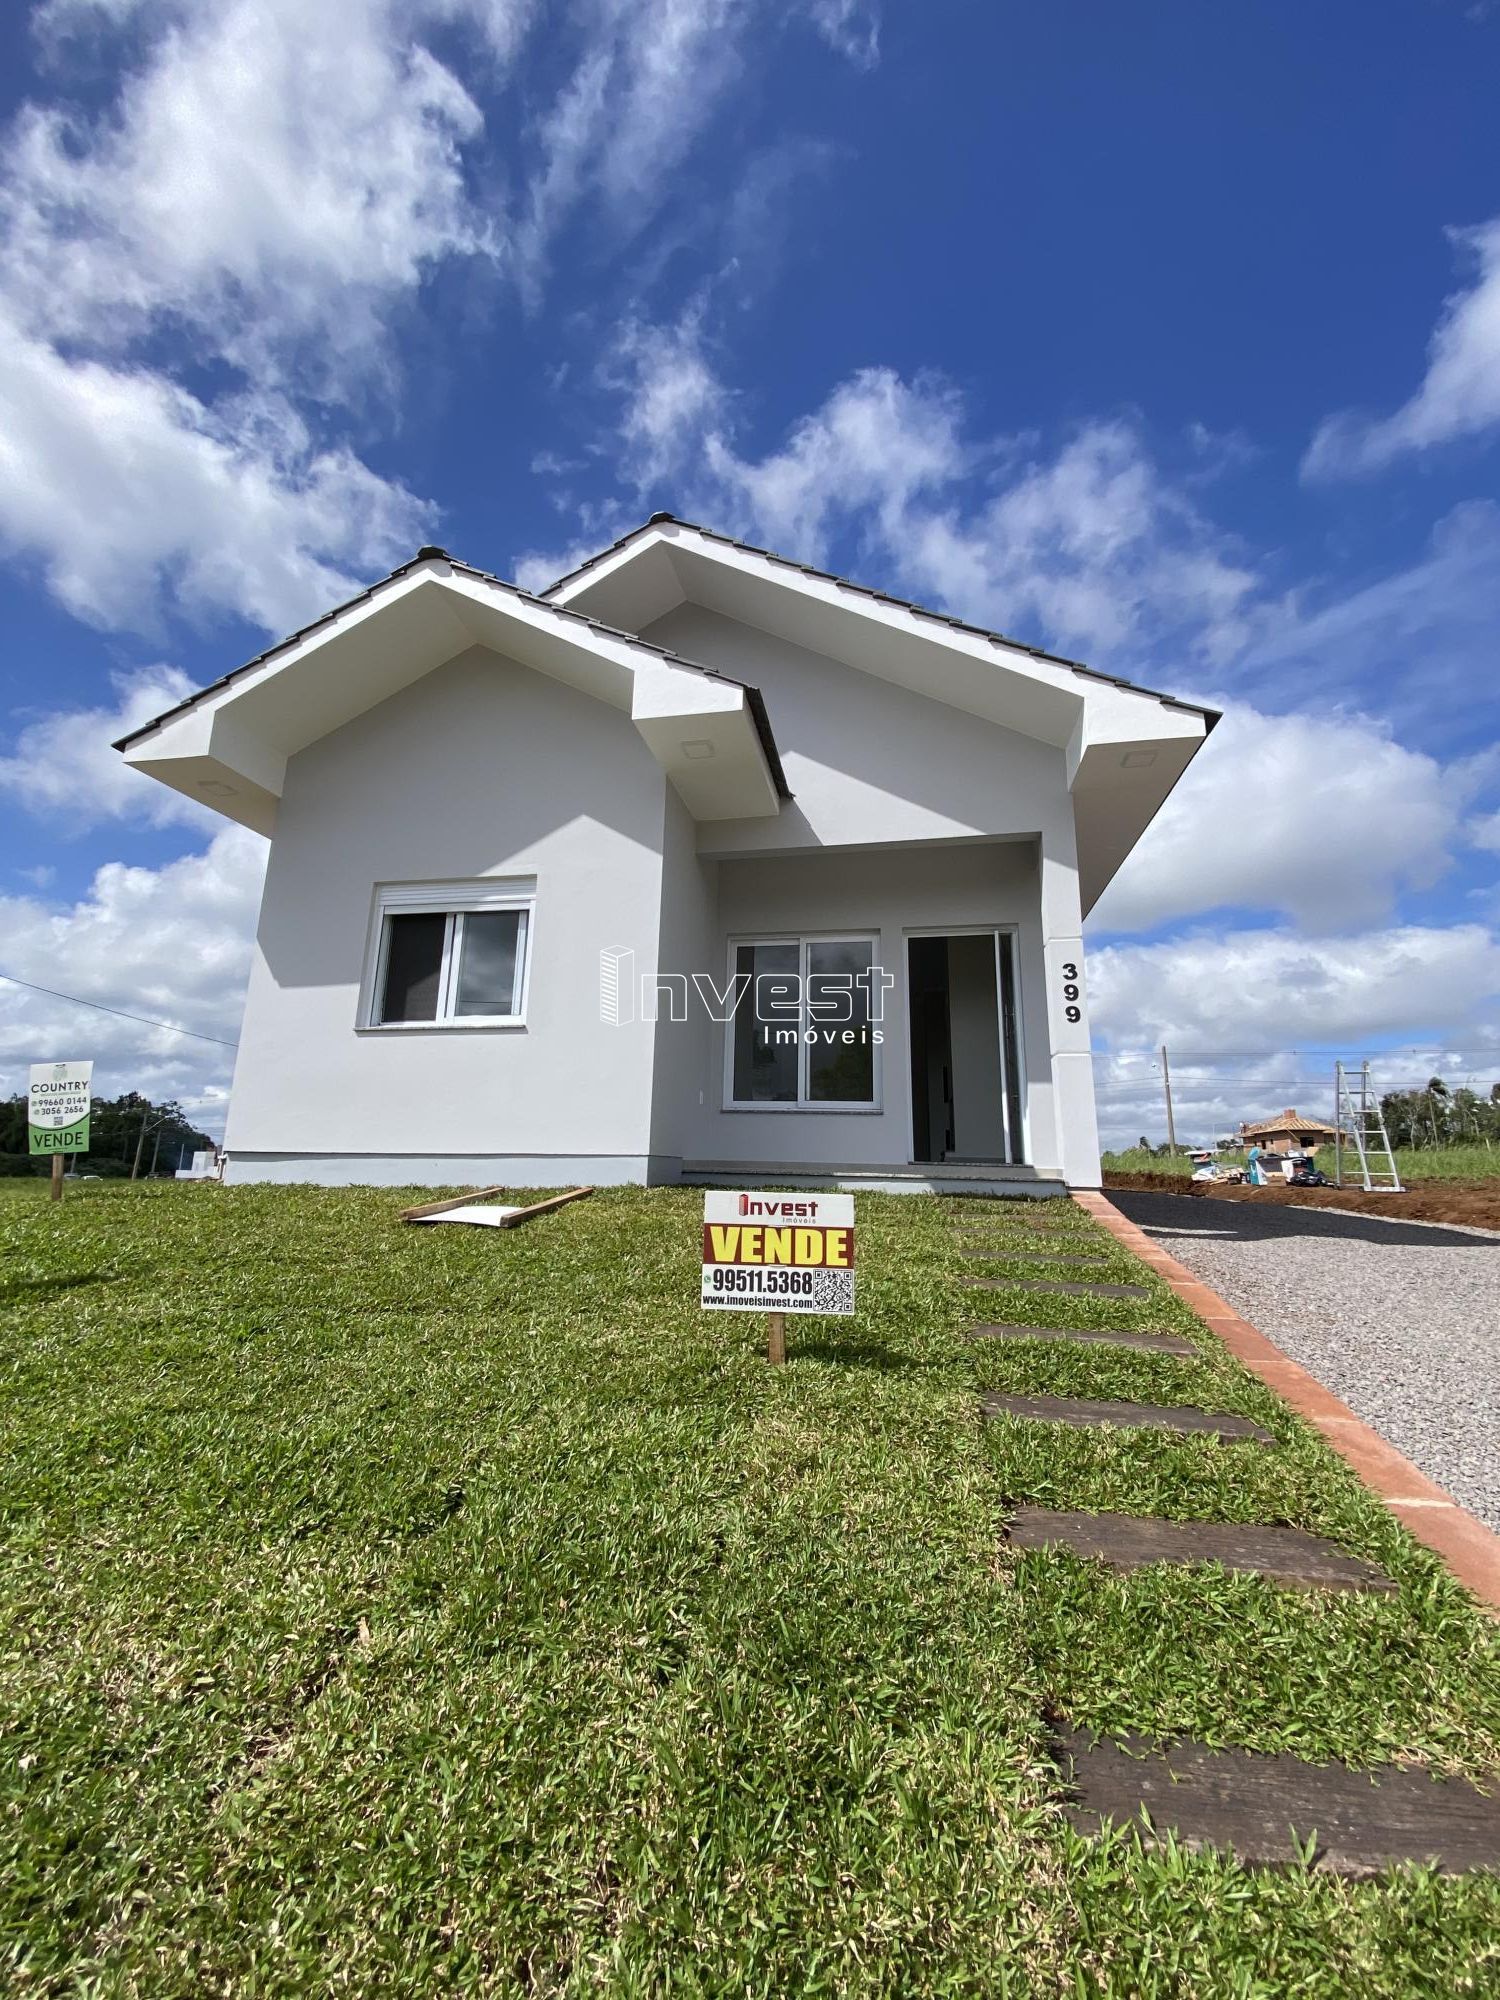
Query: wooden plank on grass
[
  {"x": 1151, "y": 1343},
  {"x": 1266, "y": 1809},
  {"x": 449, "y": 1201},
  {"x": 545, "y": 1207},
  {"x": 511, "y": 1221},
  {"x": 1129, "y": 1541},
  {"x": 1077, "y": 1291},
  {"x": 1085, "y": 1412}
]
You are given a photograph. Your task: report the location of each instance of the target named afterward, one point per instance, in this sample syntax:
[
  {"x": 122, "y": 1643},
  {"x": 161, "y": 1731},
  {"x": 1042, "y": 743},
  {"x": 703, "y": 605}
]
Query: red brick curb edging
[{"x": 1469, "y": 1549}]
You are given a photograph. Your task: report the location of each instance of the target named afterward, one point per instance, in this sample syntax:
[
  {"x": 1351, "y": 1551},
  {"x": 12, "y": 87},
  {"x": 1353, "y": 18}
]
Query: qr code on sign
[{"x": 833, "y": 1291}]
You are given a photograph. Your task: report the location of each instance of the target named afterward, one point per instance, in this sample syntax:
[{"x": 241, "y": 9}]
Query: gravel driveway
[{"x": 1400, "y": 1320}]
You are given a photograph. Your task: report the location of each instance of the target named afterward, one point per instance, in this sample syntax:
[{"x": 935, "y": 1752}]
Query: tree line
[
  {"x": 122, "y": 1130},
  {"x": 1438, "y": 1116}
]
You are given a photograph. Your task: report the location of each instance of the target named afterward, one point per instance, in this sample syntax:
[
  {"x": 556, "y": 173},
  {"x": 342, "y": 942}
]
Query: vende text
[{"x": 756, "y": 1243}]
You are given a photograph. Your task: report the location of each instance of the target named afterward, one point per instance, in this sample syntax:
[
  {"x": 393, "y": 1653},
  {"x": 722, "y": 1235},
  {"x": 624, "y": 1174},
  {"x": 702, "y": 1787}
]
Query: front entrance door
[{"x": 965, "y": 1072}]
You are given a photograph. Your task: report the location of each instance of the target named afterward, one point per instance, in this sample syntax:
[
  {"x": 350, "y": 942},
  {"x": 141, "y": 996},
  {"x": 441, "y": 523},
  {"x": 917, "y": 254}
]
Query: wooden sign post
[
  {"x": 776, "y": 1338},
  {"x": 778, "y": 1254},
  {"x": 57, "y": 1113}
]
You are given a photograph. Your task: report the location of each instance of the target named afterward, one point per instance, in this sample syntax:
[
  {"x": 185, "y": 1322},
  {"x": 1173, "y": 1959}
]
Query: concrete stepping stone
[
  {"x": 1263, "y": 1808},
  {"x": 1154, "y": 1343},
  {"x": 1076, "y": 1290},
  {"x": 1129, "y": 1541},
  {"x": 1086, "y": 1412},
  {"x": 1063, "y": 1225},
  {"x": 1020, "y": 1252}
]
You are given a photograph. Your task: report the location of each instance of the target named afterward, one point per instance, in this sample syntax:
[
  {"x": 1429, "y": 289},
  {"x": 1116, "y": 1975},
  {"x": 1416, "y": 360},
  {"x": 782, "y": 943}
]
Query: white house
[{"x": 701, "y": 865}]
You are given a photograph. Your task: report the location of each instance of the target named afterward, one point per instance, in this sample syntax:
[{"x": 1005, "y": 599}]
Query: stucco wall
[
  {"x": 867, "y": 761},
  {"x": 887, "y": 894},
  {"x": 874, "y": 765},
  {"x": 483, "y": 769}
]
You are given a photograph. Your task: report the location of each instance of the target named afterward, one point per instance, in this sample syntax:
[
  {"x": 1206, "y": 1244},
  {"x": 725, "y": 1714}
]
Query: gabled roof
[
  {"x": 228, "y": 744},
  {"x": 1210, "y": 715},
  {"x": 431, "y": 553},
  {"x": 1124, "y": 747}
]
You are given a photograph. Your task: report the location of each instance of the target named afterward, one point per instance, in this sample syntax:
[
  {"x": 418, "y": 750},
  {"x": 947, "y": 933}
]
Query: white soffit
[{"x": 228, "y": 748}]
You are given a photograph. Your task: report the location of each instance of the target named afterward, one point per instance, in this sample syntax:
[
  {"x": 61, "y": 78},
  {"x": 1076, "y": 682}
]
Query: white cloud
[
  {"x": 672, "y": 396},
  {"x": 1092, "y": 548},
  {"x": 1484, "y": 832},
  {"x": 62, "y": 766},
  {"x": 1321, "y": 817},
  {"x": 268, "y": 173},
  {"x": 1215, "y": 994},
  {"x": 1422, "y": 637},
  {"x": 1458, "y": 396},
  {"x": 649, "y": 81},
  {"x": 266, "y": 182},
  {"x": 262, "y": 190},
  {"x": 1097, "y": 547},
  {"x": 172, "y": 943},
  {"x": 135, "y": 495},
  {"x": 1248, "y": 1016},
  {"x": 870, "y": 456},
  {"x": 851, "y": 27}
]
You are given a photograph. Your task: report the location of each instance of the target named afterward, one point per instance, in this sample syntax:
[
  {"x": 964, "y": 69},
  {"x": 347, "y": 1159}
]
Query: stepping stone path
[
  {"x": 1080, "y": 1291},
  {"x": 1018, "y": 1253},
  {"x": 1084, "y": 1412},
  {"x": 1155, "y": 1343},
  {"x": 1128, "y": 1541},
  {"x": 1262, "y": 1807}
]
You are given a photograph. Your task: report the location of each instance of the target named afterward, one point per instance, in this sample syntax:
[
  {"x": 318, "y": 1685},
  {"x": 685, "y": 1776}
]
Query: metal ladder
[{"x": 1359, "y": 1123}]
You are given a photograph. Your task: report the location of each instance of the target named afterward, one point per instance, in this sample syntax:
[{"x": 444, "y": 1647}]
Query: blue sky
[{"x": 1166, "y": 336}]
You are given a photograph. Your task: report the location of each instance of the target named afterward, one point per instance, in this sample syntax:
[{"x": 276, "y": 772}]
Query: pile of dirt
[{"x": 1475, "y": 1203}]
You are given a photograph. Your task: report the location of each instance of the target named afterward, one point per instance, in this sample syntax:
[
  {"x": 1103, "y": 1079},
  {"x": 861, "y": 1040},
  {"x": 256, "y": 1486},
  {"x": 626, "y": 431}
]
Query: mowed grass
[{"x": 411, "y": 1611}]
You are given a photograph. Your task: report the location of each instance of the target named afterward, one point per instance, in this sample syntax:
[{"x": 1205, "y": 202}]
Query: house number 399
[{"x": 1072, "y": 991}]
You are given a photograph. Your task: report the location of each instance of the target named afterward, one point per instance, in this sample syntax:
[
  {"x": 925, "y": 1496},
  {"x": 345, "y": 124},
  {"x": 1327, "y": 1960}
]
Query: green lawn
[
  {"x": 1422, "y": 1163},
  {"x": 414, "y": 1611}
]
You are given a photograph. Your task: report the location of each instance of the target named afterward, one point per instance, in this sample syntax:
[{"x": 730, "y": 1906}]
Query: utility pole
[
  {"x": 1166, "y": 1077},
  {"x": 140, "y": 1144}
]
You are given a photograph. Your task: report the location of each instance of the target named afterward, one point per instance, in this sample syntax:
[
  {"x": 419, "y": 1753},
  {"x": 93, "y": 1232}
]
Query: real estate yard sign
[
  {"x": 57, "y": 1107},
  {"x": 778, "y": 1253}
]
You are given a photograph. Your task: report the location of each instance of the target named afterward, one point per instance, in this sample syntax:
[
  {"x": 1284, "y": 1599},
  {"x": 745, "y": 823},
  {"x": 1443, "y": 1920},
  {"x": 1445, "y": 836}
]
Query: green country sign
[{"x": 58, "y": 1105}]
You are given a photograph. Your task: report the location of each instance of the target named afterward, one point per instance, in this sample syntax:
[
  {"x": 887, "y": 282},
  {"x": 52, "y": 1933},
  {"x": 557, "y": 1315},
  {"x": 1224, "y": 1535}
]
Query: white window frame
[
  {"x": 804, "y": 1106},
  {"x": 453, "y": 901}
]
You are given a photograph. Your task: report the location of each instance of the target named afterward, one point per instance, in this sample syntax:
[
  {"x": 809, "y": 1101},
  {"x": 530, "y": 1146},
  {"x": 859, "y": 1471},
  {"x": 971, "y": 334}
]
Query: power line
[{"x": 100, "y": 1008}]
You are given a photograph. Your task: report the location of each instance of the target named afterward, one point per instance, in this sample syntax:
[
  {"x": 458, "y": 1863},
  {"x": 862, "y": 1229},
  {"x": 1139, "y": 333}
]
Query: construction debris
[{"x": 474, "y": 1208}]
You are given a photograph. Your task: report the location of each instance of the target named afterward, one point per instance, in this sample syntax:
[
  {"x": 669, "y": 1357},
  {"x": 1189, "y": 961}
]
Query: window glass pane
[
  {"x": 489, "y": 962},
  {"x": 841, "y": 1051},
  {"x": 766, "y": 1024},
  {"x": 413, "y": 967}
]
